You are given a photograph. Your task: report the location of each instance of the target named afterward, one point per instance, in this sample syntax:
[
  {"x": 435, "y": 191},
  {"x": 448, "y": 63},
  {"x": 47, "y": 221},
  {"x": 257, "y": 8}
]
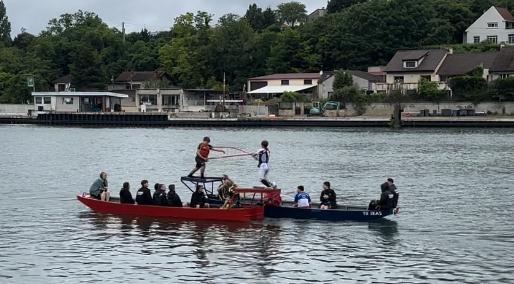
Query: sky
[{"x": 154, "y": 15}]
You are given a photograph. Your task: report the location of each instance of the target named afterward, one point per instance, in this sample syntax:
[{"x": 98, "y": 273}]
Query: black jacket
[
  {"x": 331, "y": 200},
  {"x": 174, "y": 199},
  {"x": 144, "y": 196},
  {"x": 126, "y": 196},
  {"x": 388, "y": 200},
  {"x": 159, "y": 198},
  {"x": 198, "y": 198}
]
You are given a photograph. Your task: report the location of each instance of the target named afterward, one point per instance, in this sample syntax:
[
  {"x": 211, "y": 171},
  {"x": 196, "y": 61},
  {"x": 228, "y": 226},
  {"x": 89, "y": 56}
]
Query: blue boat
[
  {"x": 287, "y": 209},
  {"x": 342, "y": 213}
]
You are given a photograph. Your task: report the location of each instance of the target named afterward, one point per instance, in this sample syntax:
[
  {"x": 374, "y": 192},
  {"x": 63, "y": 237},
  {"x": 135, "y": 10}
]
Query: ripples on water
[{"x": 455, "y": 225}]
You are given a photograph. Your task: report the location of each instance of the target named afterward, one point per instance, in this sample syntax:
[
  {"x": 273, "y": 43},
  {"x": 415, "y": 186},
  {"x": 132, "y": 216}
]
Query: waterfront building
[
  {"x": 496, "y": 25},
  {"x": 275, "y": 85},
  {"x": 77, "y": 101}
]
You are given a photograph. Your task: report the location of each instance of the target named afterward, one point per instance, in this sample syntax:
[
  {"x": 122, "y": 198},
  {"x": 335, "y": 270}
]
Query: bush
[
  {"x": 469, "y": 88},
  {"x": 504, "y": 88},
  {"x": 292, "y": 97},
  {"x": 430, "y": 91},
  {"x": 358, "y": 99}
]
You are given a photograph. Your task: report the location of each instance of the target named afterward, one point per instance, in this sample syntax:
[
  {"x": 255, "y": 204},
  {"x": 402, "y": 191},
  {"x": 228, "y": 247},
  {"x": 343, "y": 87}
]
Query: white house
[
  {"x": 77, "y": 101},
  {"x": 496, "y": 25}
]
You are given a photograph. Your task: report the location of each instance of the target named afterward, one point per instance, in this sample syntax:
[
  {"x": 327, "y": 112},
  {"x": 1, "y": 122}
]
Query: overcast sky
[{"x": 155, "y": 15}]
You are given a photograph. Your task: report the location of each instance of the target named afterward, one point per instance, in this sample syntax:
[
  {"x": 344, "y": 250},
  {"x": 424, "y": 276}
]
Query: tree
[
  {"x": 292, "y": 13},
  {"x": 5, "y": 25},
  {"x": 335, "y": 6},
  {"x": 342, "y": 79},
  {"x": 429, "y": 90}
]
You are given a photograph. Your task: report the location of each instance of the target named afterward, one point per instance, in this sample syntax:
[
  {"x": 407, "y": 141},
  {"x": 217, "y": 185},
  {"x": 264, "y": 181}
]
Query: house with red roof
[{"x": 496, "y": 25}]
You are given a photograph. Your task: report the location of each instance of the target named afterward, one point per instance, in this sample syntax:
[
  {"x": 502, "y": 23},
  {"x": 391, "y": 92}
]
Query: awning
[
  {"x": 280, "y": 89},
  {"x": 79, "y": 94}
]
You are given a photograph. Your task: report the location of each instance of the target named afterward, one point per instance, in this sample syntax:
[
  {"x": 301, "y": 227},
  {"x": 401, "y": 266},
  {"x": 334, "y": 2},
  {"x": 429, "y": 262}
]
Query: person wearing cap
[
  {"x": 143, "y": 195},
  {"x": 202, "y": 156},
  {"x": 198, "y": 198},
  {"x": 173, "y": 197},
  {"x": 98, "y": 189},
  {"x": 125, "y": 195}
]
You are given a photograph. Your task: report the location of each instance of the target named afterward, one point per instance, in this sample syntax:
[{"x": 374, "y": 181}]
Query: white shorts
[{"x": 263, "y": 171}]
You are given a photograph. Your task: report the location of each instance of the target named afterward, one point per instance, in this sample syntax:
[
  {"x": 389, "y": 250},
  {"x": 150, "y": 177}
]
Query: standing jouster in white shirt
[{"x": 263, "y": 157}]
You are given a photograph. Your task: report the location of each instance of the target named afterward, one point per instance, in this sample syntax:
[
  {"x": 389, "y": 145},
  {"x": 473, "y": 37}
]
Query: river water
[{"x": 456, "y": 198}]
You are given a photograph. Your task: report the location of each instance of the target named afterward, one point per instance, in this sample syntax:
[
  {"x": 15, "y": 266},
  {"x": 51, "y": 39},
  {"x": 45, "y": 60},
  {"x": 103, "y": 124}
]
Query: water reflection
[{"x": 385, "y": 228}]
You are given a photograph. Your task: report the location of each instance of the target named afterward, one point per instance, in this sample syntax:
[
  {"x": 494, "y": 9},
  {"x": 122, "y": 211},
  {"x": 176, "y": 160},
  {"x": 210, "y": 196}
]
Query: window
[
  {"x": 47, "y": 100},
  {"x": 307, "y": 82},
  {"x": 170, "y": 100},
  {"x": 492, "y": 25},
  {"x": 509, "y": 25},
  {"x": 476, "y": 39},
  {"x": 426, "y": 77},
  {"x": 284, "y": 82},
  {"x": 504, "y": 76},
  {"x": 149, "y": 99},
  {"x": 511, "y": 38},
  {"x": 410, "y": 64},
  {"x": 67, "y": 101},
  {"x": 61, "y": 87},
  {"x": 492, "y": 39},
  {"x": 398, "y": 79},
  {"x": 39, "y": 100}
]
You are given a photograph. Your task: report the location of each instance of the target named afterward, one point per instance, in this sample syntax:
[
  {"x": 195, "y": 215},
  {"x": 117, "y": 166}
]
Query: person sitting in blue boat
[
  {"x": 388, "y": 184},
  {"x": 98, "y": 189},
  {"x": 198, "y": 198},
  {"x": 328, "y": 197},
  {"x": 173, "y": 197},
  {"x": 389, "y": 197},
  {"x": 143, "y": 195},
  {"x": 159, "y": 196},
  {"x": 302, "y": 198},
  {"x": 125, "y": 195}
]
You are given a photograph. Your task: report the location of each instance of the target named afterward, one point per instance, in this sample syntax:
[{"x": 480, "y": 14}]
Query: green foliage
[
  {"x": 504, "y": 88},
  {"x": 342, "y": 78},
  {"x": 292, "y": 97},
  {"x": 469, "y": 88},
  {"x": 335, "y": 6},
  {"x": 292, "y": 13},
  {"x": 5, "y": 25},
  {"x": 429, "y": 91},
  {"x": 258, "y": 19}
]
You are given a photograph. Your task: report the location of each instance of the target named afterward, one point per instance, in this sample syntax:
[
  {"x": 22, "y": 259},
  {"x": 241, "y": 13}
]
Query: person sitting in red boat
[
  {"x": 199, "y": 199},
  {"x": 159, "y": 196},
  {"x": 143, "y": 195},
  {"x": 125, "y": 195},
  {"x": 328, "y": 197},
  {"x": 173, "y": 197},
  {"x": 302, "y": 198},
  {"x": 98, "y": 189}
]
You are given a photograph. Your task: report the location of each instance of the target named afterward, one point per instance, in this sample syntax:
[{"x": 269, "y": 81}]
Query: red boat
[{"x": 247, "y": 213}]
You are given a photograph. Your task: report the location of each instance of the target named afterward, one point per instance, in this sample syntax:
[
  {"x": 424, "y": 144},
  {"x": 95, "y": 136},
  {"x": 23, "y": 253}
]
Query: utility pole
[
  {"x": 123, "y": 31},
  {"x": 223, "y": 91}
]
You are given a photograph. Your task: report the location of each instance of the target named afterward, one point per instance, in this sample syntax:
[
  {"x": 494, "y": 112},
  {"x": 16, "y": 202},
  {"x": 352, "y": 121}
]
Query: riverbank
[{"x": 164, "y": 121}]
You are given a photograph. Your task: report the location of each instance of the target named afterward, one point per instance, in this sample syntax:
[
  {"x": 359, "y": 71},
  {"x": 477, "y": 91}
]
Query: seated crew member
[
  {"x": 328, "y": 197},
  {"x": 388, "y": 199},
  {"x": 173, "y": 198},
  {"x": 143, "y": 195},
  {"x": 159, "y": 196},
  {"x": 98, "y": 189},
  {"x": 198, "y": 198},
  {"x": 125, "y": 195},
  {"x": 387, "y": 185},
  {"x": 202, "y": 156},
  {"x": 302, "y": 198},
  {"x": 224, "y": 187}
]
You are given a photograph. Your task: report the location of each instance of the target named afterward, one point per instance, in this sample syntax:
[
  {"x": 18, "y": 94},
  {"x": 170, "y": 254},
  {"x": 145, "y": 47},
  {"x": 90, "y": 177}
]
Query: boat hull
[
  {"x": 326, "y": 214},
  {"x": 233, "y": 214}
]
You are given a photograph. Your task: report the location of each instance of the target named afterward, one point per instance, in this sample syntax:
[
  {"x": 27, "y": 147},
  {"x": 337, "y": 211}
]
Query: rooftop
[
  {"x": 432, "y": 59},
  {"x": 288, "y": 76}
]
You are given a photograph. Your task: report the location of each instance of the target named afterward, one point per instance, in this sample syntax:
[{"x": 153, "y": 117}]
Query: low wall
[
  {"x": 253, "y": 110},
  {"x": 384, "y": 109},
  {"x": 15, "y": 109}
]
